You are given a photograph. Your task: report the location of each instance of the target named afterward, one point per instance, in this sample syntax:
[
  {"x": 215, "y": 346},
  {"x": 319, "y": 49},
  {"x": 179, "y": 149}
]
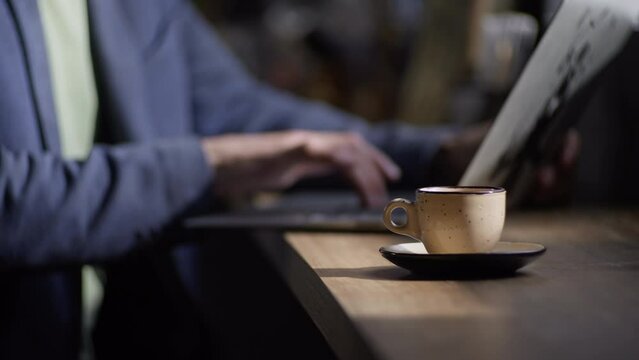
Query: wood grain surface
[{"x": 580, "y": 300}]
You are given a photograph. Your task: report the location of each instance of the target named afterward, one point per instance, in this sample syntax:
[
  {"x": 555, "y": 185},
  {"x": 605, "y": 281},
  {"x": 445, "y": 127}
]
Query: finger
[
  {"x": 306, "y": 169},
  {"x": 367, "y": 176},
  {"x": 388, "y": 167},
  {"x": 370, "y": 184},
  {"x": 356, "y": 162},
  {"x": 286, "y": 170},
  {"x": 547, "y": 177},
  {"x": 571, "y": 149},
  {"x": 546, "y": 182},
  {"x": 358, "y": 166}
]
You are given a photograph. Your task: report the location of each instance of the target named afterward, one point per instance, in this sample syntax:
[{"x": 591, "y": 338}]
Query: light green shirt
[
  {"x": 66, "y": 32},
  {"x": 67, "y": 36}
]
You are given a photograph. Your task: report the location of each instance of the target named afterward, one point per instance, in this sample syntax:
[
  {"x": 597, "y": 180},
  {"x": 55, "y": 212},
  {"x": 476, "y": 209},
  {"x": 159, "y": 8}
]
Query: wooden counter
[{"x": 580, "y": 300}]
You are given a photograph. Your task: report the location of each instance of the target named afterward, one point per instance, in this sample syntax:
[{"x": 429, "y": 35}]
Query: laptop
[
  {"x": 299, "y": 210},
  {"x": 582, "y": 40}
]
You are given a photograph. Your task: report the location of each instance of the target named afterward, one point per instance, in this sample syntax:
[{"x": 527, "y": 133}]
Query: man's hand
[
  {"x": 248, "y": 163},
  {"x": 555, "y": 179},
  {"x": 455, "y": 154},
  {"x": 552, "y": 180}
]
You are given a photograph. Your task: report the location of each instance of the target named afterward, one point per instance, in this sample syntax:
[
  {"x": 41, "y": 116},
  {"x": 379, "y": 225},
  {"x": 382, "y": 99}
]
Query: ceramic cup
[{"x": 452, "y": 219}]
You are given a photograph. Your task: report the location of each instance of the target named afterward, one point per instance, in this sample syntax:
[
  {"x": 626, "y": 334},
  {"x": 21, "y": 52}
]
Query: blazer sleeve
[
  {"x": 227, "y": 99},
  {"x": 55, "y": 211}
]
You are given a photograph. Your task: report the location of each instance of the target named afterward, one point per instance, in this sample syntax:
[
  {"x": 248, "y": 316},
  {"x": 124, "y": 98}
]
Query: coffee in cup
[{"x": 452, "y": 219}]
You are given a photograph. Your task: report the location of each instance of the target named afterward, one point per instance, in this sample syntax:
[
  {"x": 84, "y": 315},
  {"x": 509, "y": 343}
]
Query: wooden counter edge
[{"x": 341, "y": 334}]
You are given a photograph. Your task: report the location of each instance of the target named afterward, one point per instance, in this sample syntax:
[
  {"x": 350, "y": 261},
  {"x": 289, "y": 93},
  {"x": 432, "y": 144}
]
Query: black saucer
[{"x": 504, "y": 259}]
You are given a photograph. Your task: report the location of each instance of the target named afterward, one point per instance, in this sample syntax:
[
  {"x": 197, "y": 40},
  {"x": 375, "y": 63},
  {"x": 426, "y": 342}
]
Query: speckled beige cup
[{"x": 452, "y": 219}]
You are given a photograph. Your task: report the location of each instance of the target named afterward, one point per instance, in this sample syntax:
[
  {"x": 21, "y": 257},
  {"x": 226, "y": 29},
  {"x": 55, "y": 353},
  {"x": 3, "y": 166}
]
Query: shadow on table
[{"x": 396, "y": 273}]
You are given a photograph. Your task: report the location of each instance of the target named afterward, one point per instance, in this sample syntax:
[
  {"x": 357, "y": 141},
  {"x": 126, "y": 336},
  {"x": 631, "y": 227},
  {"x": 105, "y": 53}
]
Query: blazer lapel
[
  {"x": 120, "y": 70},
  {"x": 32, "y": 37}
]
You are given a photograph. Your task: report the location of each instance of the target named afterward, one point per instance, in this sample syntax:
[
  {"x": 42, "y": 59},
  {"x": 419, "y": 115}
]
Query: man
[
  {"x": 173, "y": 116},
  {"x": 165, "y": 90}
]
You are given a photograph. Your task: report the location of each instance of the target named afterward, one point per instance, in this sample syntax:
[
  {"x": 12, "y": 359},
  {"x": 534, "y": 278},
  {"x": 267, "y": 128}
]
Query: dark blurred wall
[
  {"x": 349, "y": 53},
  {"x": 609, "y": 166},
  {"x": 380, "y": 59}
]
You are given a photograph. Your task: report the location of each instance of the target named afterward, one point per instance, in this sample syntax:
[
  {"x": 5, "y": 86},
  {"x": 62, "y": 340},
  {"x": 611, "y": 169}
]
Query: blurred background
[
  {"x": 421, "y": 61},
  {"x": 428, "y": 62}
]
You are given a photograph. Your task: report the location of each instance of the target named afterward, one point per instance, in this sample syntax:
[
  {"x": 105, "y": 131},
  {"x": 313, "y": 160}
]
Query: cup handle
[{"x": 411, "y": 227}]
